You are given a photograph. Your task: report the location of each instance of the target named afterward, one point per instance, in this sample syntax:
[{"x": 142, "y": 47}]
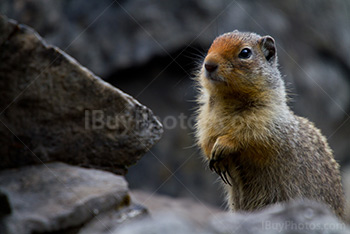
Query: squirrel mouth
[{"x": 214, "y": 77}]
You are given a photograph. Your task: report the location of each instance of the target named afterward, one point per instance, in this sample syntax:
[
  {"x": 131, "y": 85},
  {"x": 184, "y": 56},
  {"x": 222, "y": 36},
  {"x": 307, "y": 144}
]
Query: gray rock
[
  {"x": 57, "y": 196},
  {"x": 299, "y": 217},
  {"x": 53, "y": 109},
  {"x": 164, "y": 223},
  {"x": 188, "y": 209},
  {"x": 114, "y": 219}
]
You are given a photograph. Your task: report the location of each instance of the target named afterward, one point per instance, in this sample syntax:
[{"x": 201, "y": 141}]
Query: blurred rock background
[{"x": 150, "y": 49}]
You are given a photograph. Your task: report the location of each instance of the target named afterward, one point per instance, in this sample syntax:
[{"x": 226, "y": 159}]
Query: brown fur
[{"x": 251, "y": 138}]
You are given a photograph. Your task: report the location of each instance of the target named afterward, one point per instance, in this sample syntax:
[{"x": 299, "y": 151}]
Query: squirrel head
[{"x": 242, "y": 65}]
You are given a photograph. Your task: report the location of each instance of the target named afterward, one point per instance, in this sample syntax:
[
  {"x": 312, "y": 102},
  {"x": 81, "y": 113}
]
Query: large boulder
[
  {"x": 58, "y": 197},
  {"x": 53, "y": 109}
]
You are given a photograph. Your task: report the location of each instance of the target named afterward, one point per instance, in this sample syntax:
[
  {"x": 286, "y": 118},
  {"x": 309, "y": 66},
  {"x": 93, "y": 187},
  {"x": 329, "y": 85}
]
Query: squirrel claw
[
  {"x": 228, "y": 172},
  {"x": 223, "y": 174},
  {"x": 222, "y": 177}
]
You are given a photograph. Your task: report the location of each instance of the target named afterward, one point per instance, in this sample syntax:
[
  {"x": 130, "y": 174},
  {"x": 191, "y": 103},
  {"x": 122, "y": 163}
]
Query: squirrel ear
[{"x": 268, "y": 47}]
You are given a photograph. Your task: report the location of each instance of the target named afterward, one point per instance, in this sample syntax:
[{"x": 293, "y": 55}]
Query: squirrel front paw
[
  {"x": 219, "y": 160},
  {"x": 219, "y": 164}
]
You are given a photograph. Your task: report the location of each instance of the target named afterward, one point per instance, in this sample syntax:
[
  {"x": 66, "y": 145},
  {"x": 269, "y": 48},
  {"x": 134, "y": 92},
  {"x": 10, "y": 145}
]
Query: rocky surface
[
  {"x": 56, "y": 197},
  {"x": 186, "y": 208},
  {"x": 299, "y": 217},
  {"x": 53, "y": 109},
  {"x": 59, "y": 198},
  {"x": 114, "y": 220}
]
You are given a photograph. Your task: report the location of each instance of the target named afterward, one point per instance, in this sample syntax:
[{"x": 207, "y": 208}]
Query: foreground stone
[
  {"x": 299, "y": 217},
  {"x": 113, "y": 220},
  {"x": 187, "y": 208},
  {"x": 59, "y": 197},
  {"x": 53, "y": 109}
]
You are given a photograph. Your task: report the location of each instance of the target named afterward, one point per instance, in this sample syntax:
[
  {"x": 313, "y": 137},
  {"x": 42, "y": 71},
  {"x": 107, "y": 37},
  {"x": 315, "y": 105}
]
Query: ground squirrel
[{"x": 263, "y": 152}]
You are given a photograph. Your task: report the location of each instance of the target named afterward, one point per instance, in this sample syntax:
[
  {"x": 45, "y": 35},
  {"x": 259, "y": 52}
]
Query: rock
[
  {"x": 186, "y": 208},
  {"x": 113, "y": 220},
  {"x": 57, "y": 196},
  {"x": 163, "y": 223},
  {"x": 53, "y": 109},
  {"x": 298, "y": 217}
]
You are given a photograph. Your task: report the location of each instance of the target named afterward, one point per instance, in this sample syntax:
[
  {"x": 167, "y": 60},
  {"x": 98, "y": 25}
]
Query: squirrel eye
[{"x": 245, "y": 53}]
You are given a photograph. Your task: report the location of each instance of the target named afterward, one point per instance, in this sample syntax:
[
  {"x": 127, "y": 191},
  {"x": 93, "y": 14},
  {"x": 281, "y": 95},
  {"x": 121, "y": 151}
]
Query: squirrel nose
[{"x": 210, "y": 66}]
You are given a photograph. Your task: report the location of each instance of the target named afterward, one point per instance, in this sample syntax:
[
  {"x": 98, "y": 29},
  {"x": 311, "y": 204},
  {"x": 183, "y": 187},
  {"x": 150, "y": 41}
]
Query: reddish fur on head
[{"x": 242, "y": 78}]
